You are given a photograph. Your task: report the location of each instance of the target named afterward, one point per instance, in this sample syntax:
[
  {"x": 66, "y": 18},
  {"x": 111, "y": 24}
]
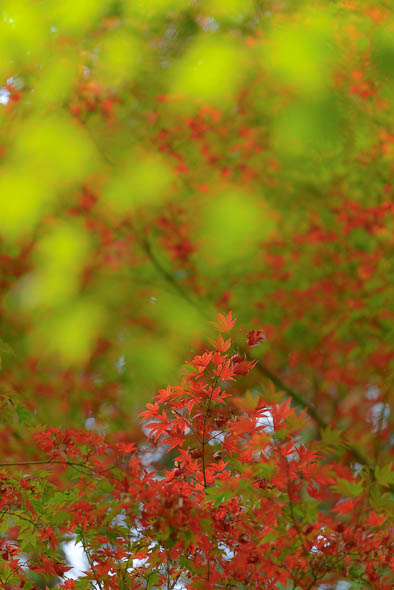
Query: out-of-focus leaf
[
  {"x": 156, "y": 8},
  {"x": 76, "y": 17},
  {"x": 348, "y": 488},
  {"x": 232, "y": 10},
  {"x": 179, "y": 318},
  {"x": 210, "y": 71},
  {"x": 60, "y": 257},
  {"x": 54, "y": 151},
  {"x": 22, "y": 202},
  {"x": 383, "y": 49},
  {"x": 385, "y": 475},
  {"x": 143, "y": 179},
  {"x": 70, "y": 334},
  {"x": 308, "y": 128},
  {"x": 119, "y": 56},
  {"x": 302, "y": 53},
  {"x": 152, "y": 580},
  {"x": 23, "y": 34},
  {"x": 233, "y": 223},
  {"x": 56, "y": 81}
]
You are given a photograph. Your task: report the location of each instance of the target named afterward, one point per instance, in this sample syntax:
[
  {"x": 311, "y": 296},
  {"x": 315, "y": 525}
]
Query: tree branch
[{"x": 294, "y": 395}]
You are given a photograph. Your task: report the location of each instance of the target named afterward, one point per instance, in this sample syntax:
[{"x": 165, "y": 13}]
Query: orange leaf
[{"x": 224, "y": 323}]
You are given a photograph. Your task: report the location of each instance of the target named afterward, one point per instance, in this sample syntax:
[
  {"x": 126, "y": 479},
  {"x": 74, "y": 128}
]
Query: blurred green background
[{"x": 163, "y": 160}]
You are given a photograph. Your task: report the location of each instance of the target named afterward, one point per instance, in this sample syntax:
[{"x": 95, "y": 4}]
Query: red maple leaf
[
  {"x": 254, "y": 337},
  {"x": 344, "y": 507},
  {"x": 224, "y": 323}
]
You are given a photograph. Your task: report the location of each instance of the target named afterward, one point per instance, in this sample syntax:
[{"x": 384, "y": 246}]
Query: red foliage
[{"x": 244, "y": 502}]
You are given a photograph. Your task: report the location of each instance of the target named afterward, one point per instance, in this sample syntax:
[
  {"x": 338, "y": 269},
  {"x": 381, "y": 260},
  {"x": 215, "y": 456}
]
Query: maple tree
[{"x": 164, "y": 164}]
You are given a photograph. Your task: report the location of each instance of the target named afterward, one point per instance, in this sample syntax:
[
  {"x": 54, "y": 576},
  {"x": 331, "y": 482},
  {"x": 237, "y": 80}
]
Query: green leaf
[
  {"x": 268, "y": 538},
  {"x": 153, "y": 578},
  {"x": 5, "y": 350},
  {"x": 385, "y": 475},
  {"x": 4, "y": 524},
  {"x": 185, "y": 562},
  {"x": 266, "y": 470},
  {"x": 347, "y": 488},
  {"x": 218, "y": 495},
  {"x": 24, "y": 415},
  {"x": 332, "y": 436}
]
